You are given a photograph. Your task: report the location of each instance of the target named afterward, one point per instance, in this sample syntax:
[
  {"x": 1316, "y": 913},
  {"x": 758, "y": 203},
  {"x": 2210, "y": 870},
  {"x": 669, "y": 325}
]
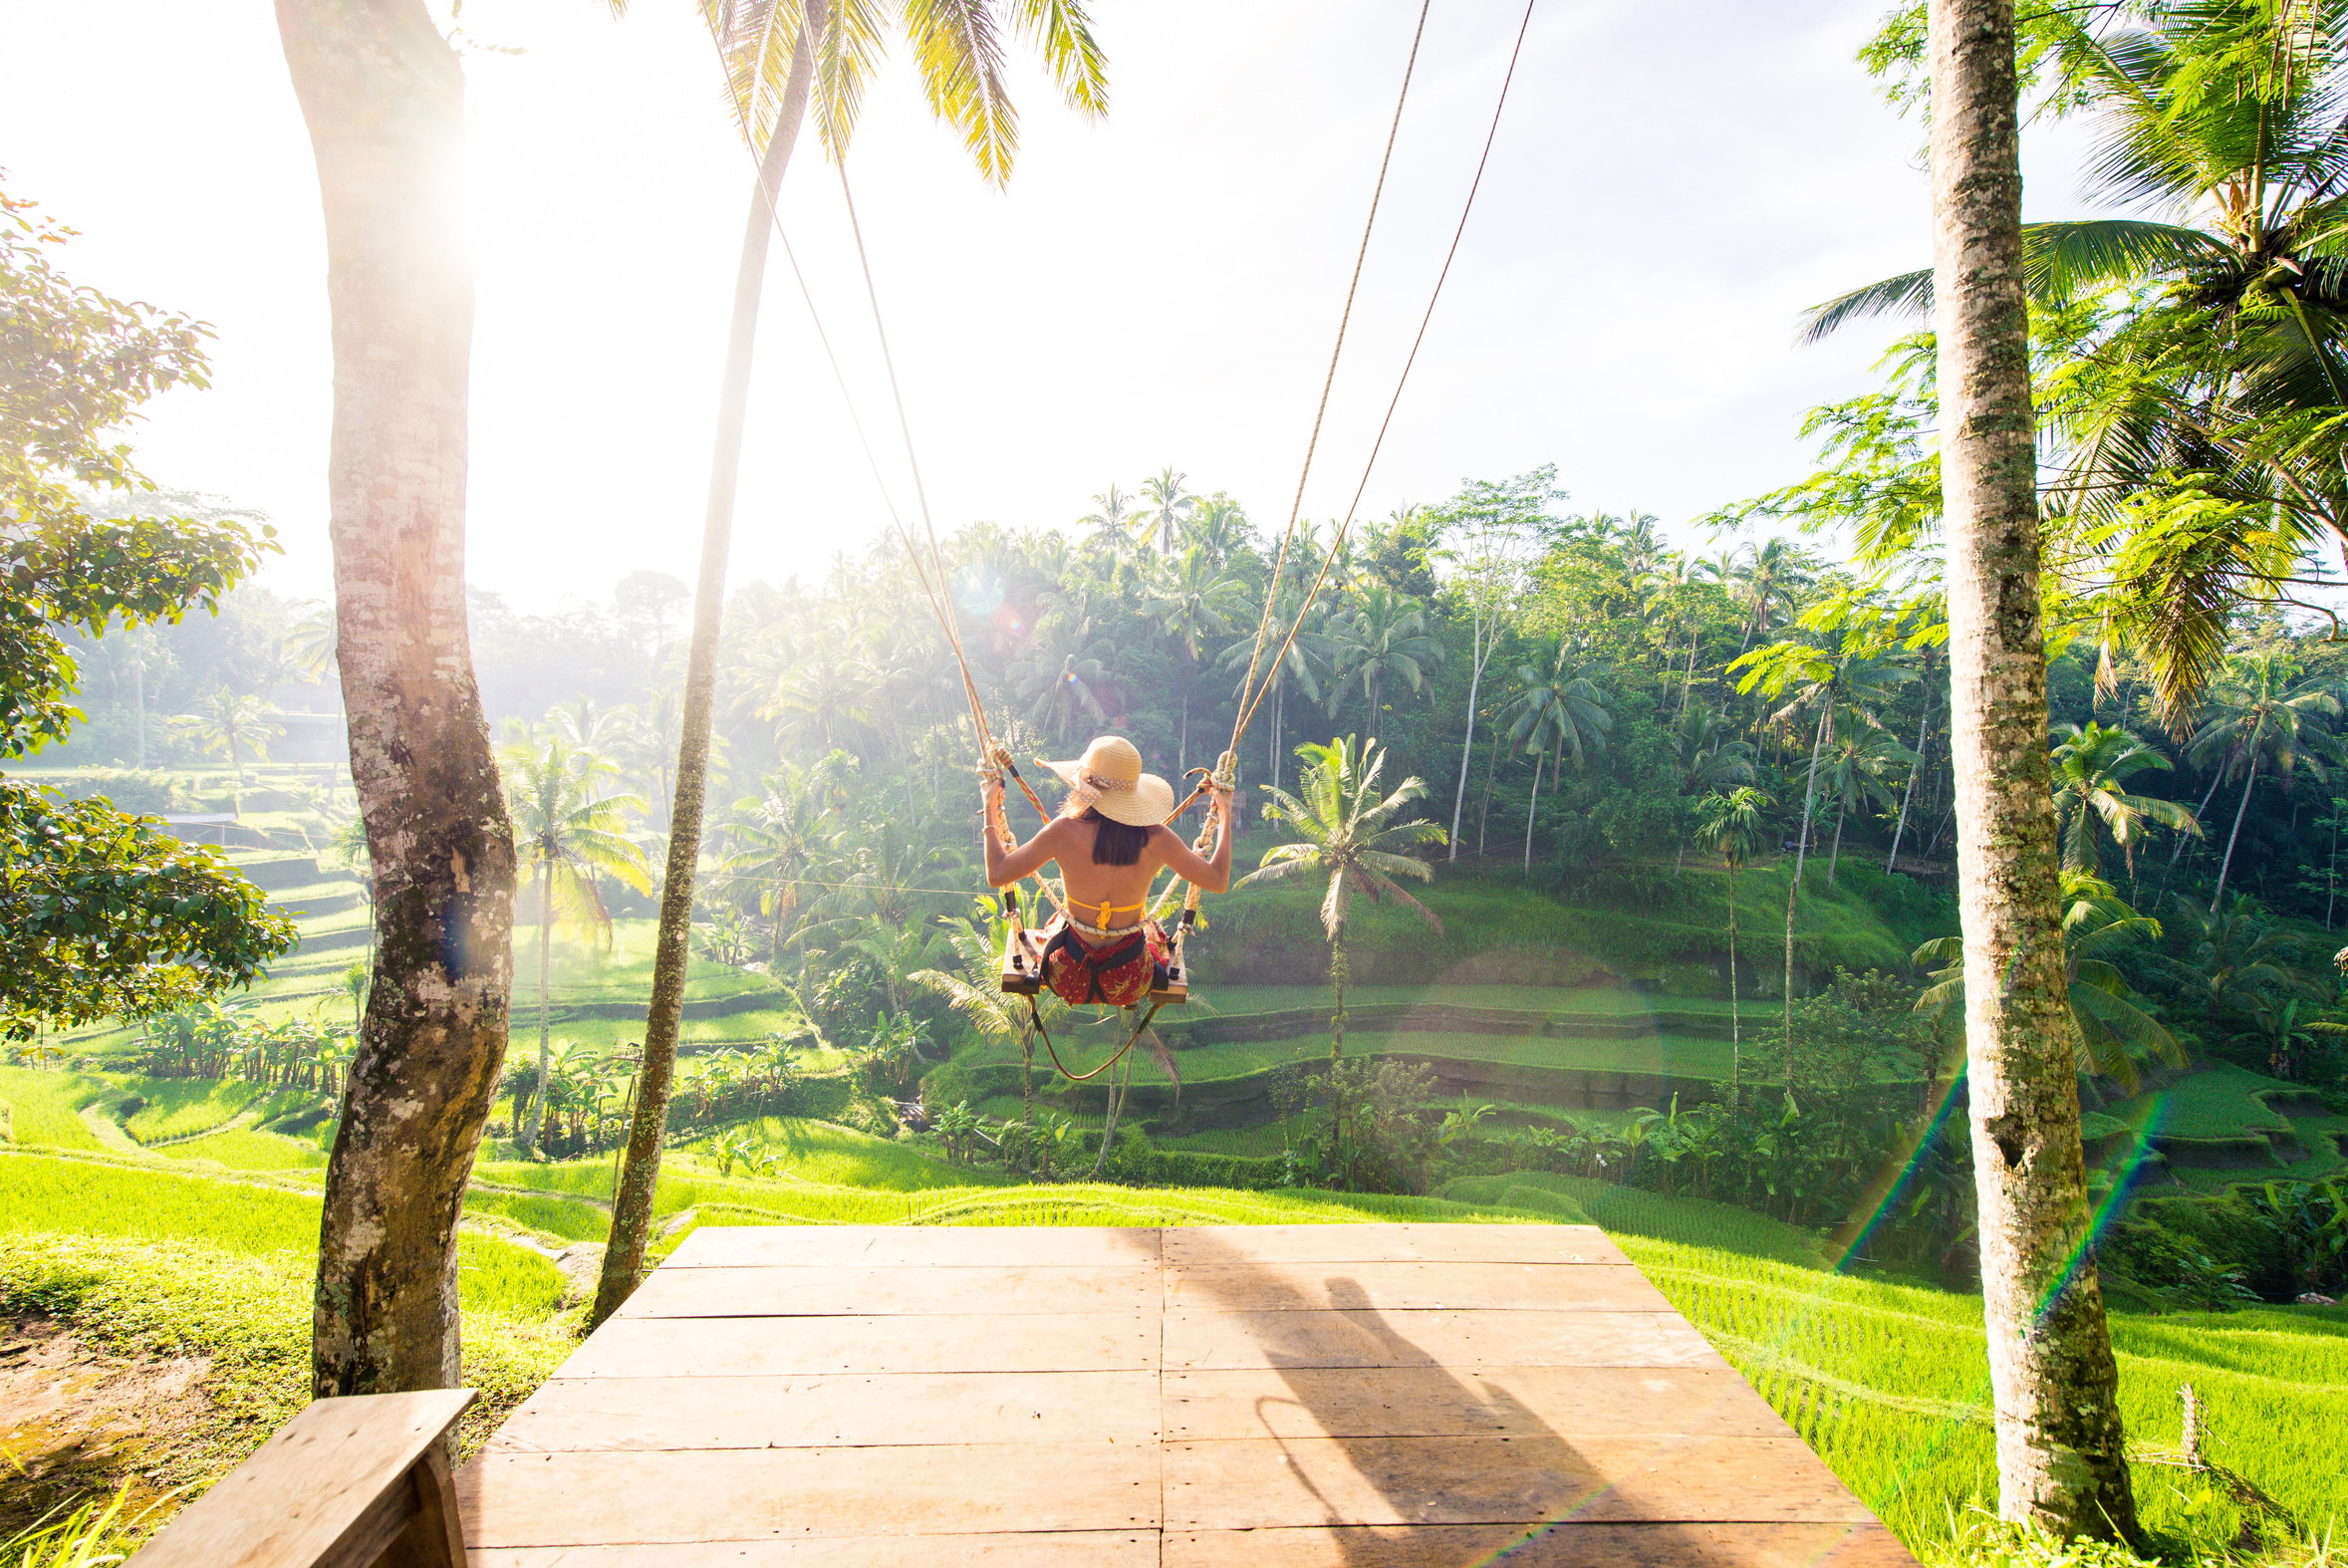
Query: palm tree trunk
[
  {"x": 1109, "y": 1120},
  {"x": 1483, "y": 809},
  {"x": 1336, "y": 978},
  {"x": 1842, "y": 808},
  {"x": 2060, "y": 1457},
  {"x": 1466, "y": 750},
  {"x": 382, "y": 96},
  {"x": 1923, "y": 731},
  {"x": 1736, "y": 1023},
  {"x": 1539, "y": 757},
  {"x": 1793, "y": 888},
  {"x": 2225, "y": 865},
  {"x": 2201, "y": 811},
  {"x": 1272, "y": 742},
  {"x": 2331, "y": 883},
  {"x": 632, "y": 1205},
  {"x": 546, "y": 928}
]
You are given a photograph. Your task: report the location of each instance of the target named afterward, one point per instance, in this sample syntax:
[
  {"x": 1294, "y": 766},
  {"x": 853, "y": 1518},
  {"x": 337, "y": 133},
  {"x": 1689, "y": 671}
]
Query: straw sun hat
[{"x": 1109, "y": 778}]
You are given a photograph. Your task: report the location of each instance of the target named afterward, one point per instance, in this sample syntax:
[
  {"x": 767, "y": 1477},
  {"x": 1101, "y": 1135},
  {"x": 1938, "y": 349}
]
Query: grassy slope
[
  {"x": 1885, "y": 1378},
  {"x": 86, "y": 1197}
]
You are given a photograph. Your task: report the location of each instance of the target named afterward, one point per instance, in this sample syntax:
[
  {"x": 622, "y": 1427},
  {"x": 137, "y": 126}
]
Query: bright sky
[{"x": 1673, "y": 181}]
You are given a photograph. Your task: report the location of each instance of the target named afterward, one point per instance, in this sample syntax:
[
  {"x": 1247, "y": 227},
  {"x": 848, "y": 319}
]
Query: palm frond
[
  {"x": 959, "y": 55},
  {"x": 1063, "y": 35},
  {"x": 1910, "y": 294}
]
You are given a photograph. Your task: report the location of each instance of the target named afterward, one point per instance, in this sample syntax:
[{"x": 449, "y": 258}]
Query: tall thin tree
[
  {"x": 384, "y": 99},
  {"x": 2060, "y": 1458},
  {"x": 785, "y": 59}
]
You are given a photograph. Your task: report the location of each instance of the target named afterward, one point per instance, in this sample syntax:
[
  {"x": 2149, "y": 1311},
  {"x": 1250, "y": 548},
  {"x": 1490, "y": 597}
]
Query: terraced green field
[
  {"x": 1543, "y": 1001},
  {"x": 1664, "y": 1055}
]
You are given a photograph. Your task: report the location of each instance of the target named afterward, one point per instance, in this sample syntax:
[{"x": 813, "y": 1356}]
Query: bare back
[{"x": 1108, "y": 896}]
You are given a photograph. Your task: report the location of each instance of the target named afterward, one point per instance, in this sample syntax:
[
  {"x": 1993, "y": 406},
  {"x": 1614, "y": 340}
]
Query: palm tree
[
  {"x": 1168, "y": 506},
  {"x": 1348, "y": 834},
  {"x": 1486, "y": 580},
  {"x": 1111, "y": 519},
  {"x": 774, "y": 53},
  {"x": 1730, "y": 826},
  {"x": 823, "y": 701},
  {"x": 1560, "y": 708},
  {"x": 2230, "y": 959},
  {"x": 234, "y": 724},
  {"x": 1856, "y": 682},
  {"x": 310, "y": 642},
  {"x": 1060, "y": 677},
  {"x": 1764, "y": 581},
  {"x": 2115, "y": 1031},
  {"x": 2256, "y": 715},
  {"x": 1855, "y": 779},
  {"x": 1383, "y": 636},
  {"x": 1190, "y": 598},
  {"x": 2219, "y": 376},
  {"x": 1709, "y": 758},
  {"x": 1217, "y": 524},
  {"x": 1310, "y": 653},
  {"x": 2092, "y": 766},
  {"x": 383, "y": 94},
  {"x": 569, "y": 832},
  {"x": 782, "y": 834},
  {"x": 2061, "y": 1455}
]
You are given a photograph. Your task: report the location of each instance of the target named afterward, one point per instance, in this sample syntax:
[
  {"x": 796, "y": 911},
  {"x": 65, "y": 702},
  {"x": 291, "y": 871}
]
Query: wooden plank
[
  {"x": 1436, "y": 1402},
  {"x": 1272, "y": 1482},
  {"x": 820, "y": 1290},
  {"x": 1059, "y": 1549},
  {"x": 927, "y": 1246},
  {"x": 332, "y": 1485},
  {"x": 1412, "y": 1286},
  {"x": 785, "y": 1347},
  {"x": 837, "y": 1411},
  {"x": 1205, "y": 1340},
  {"x": 563, "y": 1500},
  {"x": 1563, "y": 1546},
  {"x": 1429, "y": 1244}
]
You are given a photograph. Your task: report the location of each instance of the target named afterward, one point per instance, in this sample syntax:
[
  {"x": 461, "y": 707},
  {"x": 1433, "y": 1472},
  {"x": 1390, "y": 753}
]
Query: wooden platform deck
[{"x": 1308, "y": 1396}]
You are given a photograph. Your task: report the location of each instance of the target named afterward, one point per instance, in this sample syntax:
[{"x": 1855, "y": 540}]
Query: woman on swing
[{"x": 1110, "y": 839}]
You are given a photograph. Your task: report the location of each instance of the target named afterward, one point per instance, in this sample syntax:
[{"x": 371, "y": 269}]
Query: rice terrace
[{"x": 757, "y": 813}]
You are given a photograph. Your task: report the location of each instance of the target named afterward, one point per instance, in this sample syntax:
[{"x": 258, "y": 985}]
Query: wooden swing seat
[{"x": 1023, "y": 970}]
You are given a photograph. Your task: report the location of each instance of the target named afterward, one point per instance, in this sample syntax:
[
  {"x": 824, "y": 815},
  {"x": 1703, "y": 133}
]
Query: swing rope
[
  {"x": 1261, "y": 679},
  {"x": 1035, "y": 1021}
]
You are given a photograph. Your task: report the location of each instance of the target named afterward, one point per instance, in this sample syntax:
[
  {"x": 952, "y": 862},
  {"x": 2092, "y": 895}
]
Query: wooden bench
[{"x": 348, "y": 1484}]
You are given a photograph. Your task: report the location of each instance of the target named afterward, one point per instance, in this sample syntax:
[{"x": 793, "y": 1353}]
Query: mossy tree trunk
[
  {"x": 2059, "y": 1453},
  {"x": 384, "y": 99}
]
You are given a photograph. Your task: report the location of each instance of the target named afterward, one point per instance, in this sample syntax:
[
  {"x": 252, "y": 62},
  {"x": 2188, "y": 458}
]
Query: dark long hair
[{"x": 1115, "y": 843}]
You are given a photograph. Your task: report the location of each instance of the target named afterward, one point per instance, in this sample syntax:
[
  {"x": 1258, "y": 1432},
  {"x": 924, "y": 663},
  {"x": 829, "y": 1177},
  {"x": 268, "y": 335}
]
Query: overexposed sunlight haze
[{"x": 1672, "y": 183}]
